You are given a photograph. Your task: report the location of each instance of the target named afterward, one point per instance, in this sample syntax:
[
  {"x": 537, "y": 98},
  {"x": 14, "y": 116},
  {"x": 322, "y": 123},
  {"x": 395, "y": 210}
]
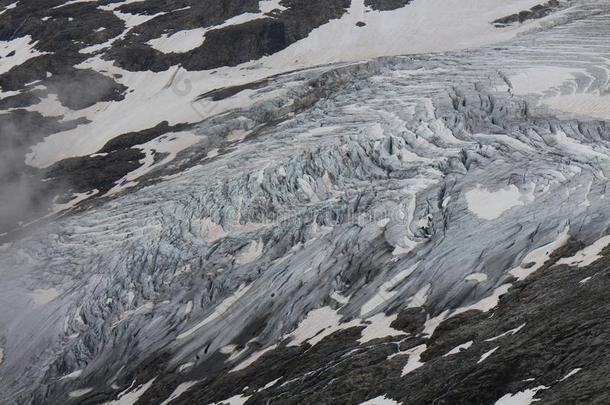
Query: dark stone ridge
[
  {"x": 410, "y": 320},
  {"x": 137, "y": 138},
  {"x": 83, "y": 88},
  {"x": 85, "y": 173},
  {"x": 22, "y": 128},
  {"x": 536, "y": 12},
  {"x": 114, "y": 160},
  {"x": 386, "y": 5}
]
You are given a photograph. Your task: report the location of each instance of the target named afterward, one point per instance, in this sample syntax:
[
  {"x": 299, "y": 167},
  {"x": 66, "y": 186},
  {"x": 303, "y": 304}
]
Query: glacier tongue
[{"x": 361, "y": 174}]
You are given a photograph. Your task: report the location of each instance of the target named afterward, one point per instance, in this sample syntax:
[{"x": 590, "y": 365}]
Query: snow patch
[
  {"x": 509, "y": 332},
  {"x": 457, "y": 349},
  {"x": 318, "y": 324},
  {"x": 570, "y": 374},
  {"x": 490, "y": 205},
  {"x": 379, "y": 327},
  {"x": 521, "y": 398},
  {"x": 180, "y": 389},
  {"x": 414, "y": 361},
  {"x": 381, "y": 400},
  {"x": 255, "y": 356},
  {"x": 131, "y": 397},
  {"x": 72, "y": 375},
  {"x": 170, "y": 144},
  {"x": 588, "y": 255},
  {"x": 487, "y": 354},
  {"x": 541, "y": 80},
  {"x": 187, "y": 40},
  {"x": 23, "y": 49},
  {"x": 535, "y": 259}
]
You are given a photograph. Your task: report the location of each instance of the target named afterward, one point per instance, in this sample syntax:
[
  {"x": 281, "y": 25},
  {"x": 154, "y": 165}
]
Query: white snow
[
  {"x": 23, "y": 48},
  {"x": 131, "y": 397},
  {"x": 184, "y": 41},
  {"x": 585, "y": 280},
  {"x": 228, "y": 349},
  {"x": 253, "y": 357},
  {"x": 10, "y": 6},
  {"x": 218, "y": 311},
  {"x": 49, "y": 106},
  {"x": 170, "y": 144},
  {"x": 72, "y": 375},
  {"x": 185, "y": 366},
  {"x": 76, "y": 199},
  {"x": 490, "y": 205},
  {"x": 154, "y": 97},
  {"x": 487, "y": 354},
  {"x": 570, "y": 374},
  {"x": 339, "y": 298},
  {"x": 457, "y": 349},
  {"x": 541, "y": 79},
  {"x": 420, "y": 27},
  {"x": 169, "y": 95},
  {"x": 535, "y": 259},
  {"x": 180, "y": 389},
  {"x": 414, "y": 361},
  {"x": 588, "y": 255},
  {"x": 79, "y": 393},
  {"x": 74, "y": 2},
  {"x": 181, "y": 41},
  {"x": 270, "y": 384},
  {"x": 420, "y": 297},
  {"x": 189, "y": 307},
  {"x": 520, "y": 398},
  {"x": 133, "y": 20},
  {"x": 379, "y": 327},
  {"x": 509, "y": 332},
  {"x": 1, "y": 355},
  {"x": 486, "y": 303},
  {"x": 380, "y": 400},
  {"x": 318, "y": 324}
]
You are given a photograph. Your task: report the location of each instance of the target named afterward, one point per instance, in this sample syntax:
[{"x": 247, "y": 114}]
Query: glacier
[{"x": 322, "y": 206}]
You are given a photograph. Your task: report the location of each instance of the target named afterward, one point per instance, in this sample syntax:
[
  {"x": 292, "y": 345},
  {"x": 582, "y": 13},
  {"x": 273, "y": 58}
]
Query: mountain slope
[{"x": 293, "y": 225}]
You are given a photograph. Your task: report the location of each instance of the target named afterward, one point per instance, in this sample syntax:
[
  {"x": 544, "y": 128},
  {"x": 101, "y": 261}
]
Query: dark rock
[
  {"x": 386, "y": 5},
  {"x": 536, "y": 12}
]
